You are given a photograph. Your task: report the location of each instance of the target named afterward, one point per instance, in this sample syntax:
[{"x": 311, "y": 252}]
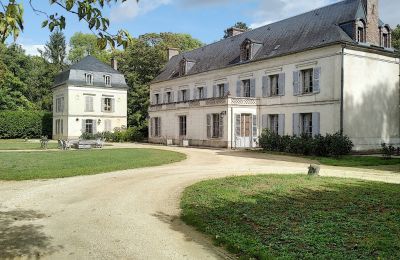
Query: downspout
[
  {"x": 342, "y": 91},
  {"x": 232, "y": 126}
]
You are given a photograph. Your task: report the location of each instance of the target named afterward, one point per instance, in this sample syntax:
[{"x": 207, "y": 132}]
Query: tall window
[
  {"x": 89, "y": 103},
  {"x": 182, "y": 125},
  {"x": 157, "y": 126},
  {"x": 89, "y": 79},
  {"x": 221, "y": 90},
  {"x": 107, "y": 125},
  {"x": 245, "y": 51},
  {"x": 307, "y": 80},
  {"x": 157, "y": 99},
  {"x": 89, "y": 126},
  {"x": 59, "y": 126},
  {"x": 201, "y": 92},
  {"x": 60, "y": 105},
  {"x": 215, "y": 125},
  {"x": 184, "y": 95},
  {"x": 274, "y": 85},
  {"x": 360, "y": 34},
  {"x": 385, "y": 40},
  {"x": 107, "y": 105},
  {"x": 246, "y": 88},
  {"x": 107, "y": 80},
  {"x": 274, "y": 123},
  {"x": 306, "y": 124},
  {"x": 169, "y": 97},
  {"x": 182, "y": 67}
]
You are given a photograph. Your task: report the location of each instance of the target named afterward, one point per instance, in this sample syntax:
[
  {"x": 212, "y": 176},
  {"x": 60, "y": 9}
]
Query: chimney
[
  {"x": 372, "y": 10},
  {"x": 172, "y": 52},
  {"x": 114, "y": 63},
  {"x": 233, "y": 31}
]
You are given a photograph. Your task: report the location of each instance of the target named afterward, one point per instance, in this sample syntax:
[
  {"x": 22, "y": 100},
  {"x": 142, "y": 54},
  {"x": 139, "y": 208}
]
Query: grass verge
[
  {"x": 60, "y": 164},
  {"x": 20, "y": 144},
  {"x": 297, "y": 217}
]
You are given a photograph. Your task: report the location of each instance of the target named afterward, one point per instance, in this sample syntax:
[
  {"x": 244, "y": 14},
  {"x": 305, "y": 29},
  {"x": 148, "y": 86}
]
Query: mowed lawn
[
  {"x": 372, "y": 162},
  {"x": 297, "y": 217},
  {"x": 20, "y": 144},
  {"x": 60, "y": 164}
]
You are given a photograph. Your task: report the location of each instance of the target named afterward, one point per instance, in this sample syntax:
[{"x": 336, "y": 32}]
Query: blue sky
[{"x": 203, "y": 19}]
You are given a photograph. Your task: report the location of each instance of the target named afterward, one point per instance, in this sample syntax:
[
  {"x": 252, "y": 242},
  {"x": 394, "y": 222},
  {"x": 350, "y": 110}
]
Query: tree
[
  {"x": 90, "y": 11},
  {"x": 396, "y": 38},
  {"x": 55, "y": 50},
  {"x": 239, "y": 25},
  {"x": 83, "y": 44}
]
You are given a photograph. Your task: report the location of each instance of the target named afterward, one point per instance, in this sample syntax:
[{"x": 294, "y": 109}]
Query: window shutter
[
  {"x": 83, "y": 126},
  {"x": 281, "y": 124},
  {"x": 195, "y": 90},
  {"x": 86, "y": 103},
  {"x": 281, "y": 84},
  {"x": 205, "y": 92},
  {"x": 254, "y": 125},
  {"x": 315, "y": 124},
  {"x": 296, "y": 83},
  {"x": 253, "y": 88},
  {"x": 208, "y": 126},
  {"x": 221, "y": 127},
  {"x": 214, "y": 91},
  {"x": 159, "y": 126},
  {"x": 239, "y": 89},
  {"x": 151, "y": 127},
  {"x": 264, "y": 123},
  {"x": 113, "y": 104},
  {"x": 296, "y": 124},
  {"x": 317, "y": 75},
  {"x": 187, "y": 94},
  {"x": 237, "y": 124},
  {"x": 226, "y": 89},
  {"x": 91, "y": 104},
  {"x": 165, "y": 99},
  {"x": 264, "y": 86},
  {"x": 94, "y": 126},
  {"x": 172, "y": 96},
  {"x": 102, "y": 104},
  {"x": 179, "y": 96}
]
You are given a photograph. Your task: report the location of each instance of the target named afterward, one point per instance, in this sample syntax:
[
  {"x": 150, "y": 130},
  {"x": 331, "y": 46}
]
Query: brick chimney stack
[
  {"x": 171, "y": 52},
  {"x": 233, "y": 31},
  {"x": 372, "y": 10},
  {"x": 114, "y": 63}
]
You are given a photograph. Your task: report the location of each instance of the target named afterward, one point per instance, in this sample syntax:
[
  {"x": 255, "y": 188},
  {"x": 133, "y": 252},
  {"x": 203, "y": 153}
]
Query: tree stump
[{"x": 313, "y": 170}]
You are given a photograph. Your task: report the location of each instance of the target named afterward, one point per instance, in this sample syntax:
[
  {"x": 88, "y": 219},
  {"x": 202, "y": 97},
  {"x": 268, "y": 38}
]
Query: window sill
[{"x": 306, "y": 94}]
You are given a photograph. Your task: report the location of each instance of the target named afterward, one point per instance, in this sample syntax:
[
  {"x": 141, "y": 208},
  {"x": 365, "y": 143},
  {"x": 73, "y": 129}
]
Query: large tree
[
  {"x": 396, "y": 38},
  {"x": 55, "y": 50},
  {"x": 83, "y": 44},
  {"x": 90, "y": 11}
]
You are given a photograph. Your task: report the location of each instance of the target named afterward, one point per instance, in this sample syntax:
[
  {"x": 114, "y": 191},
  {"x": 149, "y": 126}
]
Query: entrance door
[{"x": 243, "y": 130}]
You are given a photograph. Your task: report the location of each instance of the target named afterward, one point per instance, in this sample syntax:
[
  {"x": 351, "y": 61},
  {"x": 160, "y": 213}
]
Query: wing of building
[
  {"x": 329, "y": 70},
  {"x": 89, "y": 97}
]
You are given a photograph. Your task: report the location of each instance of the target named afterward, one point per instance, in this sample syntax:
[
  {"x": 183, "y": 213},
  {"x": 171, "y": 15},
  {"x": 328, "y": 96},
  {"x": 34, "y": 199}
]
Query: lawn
[
  {"x": 20, "y": 144},
  {"x": 363, "y": 162},
  {"x": 297, "y": 217},
  {"x": 60, "y": 164}
]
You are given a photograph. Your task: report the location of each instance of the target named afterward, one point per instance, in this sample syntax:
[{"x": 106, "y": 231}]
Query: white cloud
[
  {"x": 128, "y": 10},
  {"x": 32, "y": 49}
]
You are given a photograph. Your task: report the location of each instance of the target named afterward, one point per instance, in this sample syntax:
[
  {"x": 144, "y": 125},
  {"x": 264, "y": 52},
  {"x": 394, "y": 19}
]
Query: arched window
[
  {"x": 385, "y": 37},
  {"x": 245, "y": 51},
  {"x": 360, "y": 31}
]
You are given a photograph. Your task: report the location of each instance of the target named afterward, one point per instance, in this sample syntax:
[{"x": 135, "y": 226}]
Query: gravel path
[{"x": 129, "y": 214}]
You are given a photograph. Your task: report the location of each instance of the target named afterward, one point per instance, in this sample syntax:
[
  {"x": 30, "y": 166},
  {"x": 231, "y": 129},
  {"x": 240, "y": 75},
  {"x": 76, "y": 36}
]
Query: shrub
[
  {"x": 388, "y": 151},
  {"x": 329, "y": 145},
  {"x": 25, "y": 124},
  {"x": 131, "y": 134}
]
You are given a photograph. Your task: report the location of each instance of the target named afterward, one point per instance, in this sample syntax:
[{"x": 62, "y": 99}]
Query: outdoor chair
[
  {"x": 60, "y": 145},
  {"x": 44, "y": 142},
  {"x": 66, "y": 145},
  {"x": 99, "y": 143}
]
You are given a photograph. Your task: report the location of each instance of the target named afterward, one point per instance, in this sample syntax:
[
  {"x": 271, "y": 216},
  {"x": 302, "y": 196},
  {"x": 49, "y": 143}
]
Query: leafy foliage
[
  {"x": 83, "y": 44},
  {"x": 21, "y": 124},
  {"x": 388, "y": 151},
  {"x": 396, "y": 38},
  {"x": 239, "y": 25},
  {"x": 55, "y": 50},
  {"x": 131, "y": 134},
  {"x": 329, "y": 145}
]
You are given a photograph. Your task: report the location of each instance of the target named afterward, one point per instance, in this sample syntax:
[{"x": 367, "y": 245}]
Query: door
[{"x": 243, "y": 130}]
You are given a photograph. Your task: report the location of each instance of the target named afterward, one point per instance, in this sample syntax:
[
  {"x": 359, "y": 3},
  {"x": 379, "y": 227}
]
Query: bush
[
  {"x": 329, "y": 145},
  {"x": 132, "y": 134},
  {"x": 25, "y": 124},
  {"x": 388, "y": 151}
]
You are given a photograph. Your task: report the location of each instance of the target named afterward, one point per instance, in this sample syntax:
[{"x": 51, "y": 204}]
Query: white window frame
[
  {"x": 274, "y": 85},
  {"x": 89, "y": 123},
  {"x": 59, "y": 126},
  {"x": 107, "y": 125},
  {"x": 60, "y": 104},
  {"x": 157, "y": 127},
  {"x": 200, "y": 90},
  {"x": 184, "y": 95},
  {"x": 89, "y": 106},
  {"x": 246, "y": 88},
  {"x": 306, "y": 123},
  {"x": 89, "y": 78},
  {"x": 215, "y": 118},
  {"x": 274, "y": 123},
  {"x": 307, "y": 85},
  {"x": 107, "y": 80},
  {"x": 157, "y": 98},
  {"x": 169, "y": 95},
  {"x": 182, "y": 125},
  {"x": 107, "y": 105}
]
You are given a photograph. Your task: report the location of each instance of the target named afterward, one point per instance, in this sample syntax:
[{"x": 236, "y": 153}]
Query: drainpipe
[
  {"x": 232, "y": 126},
  {"x": 341, "y": 90}
]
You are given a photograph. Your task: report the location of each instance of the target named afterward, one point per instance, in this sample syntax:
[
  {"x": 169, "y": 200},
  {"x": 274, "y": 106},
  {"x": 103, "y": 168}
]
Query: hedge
[{"x": 25, "y": 124}]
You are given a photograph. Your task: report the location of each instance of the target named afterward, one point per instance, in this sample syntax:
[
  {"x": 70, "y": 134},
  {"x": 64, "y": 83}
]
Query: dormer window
[
  {"x": 107, "y": 80},
  {"x": 89, "y": 79},
  {"x": 182, "y": 68},
  {"x": 245, "y": 52},
  {"x": 361, "y": 36}
]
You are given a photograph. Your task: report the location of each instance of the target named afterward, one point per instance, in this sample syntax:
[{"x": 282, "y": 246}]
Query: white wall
[{"x": 371, "y": 99}]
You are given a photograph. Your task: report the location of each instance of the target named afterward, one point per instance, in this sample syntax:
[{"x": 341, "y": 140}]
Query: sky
[{"x": 205, "y": 20}]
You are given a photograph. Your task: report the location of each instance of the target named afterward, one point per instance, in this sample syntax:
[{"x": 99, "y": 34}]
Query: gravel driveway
[{"x": 130, "y": 214}]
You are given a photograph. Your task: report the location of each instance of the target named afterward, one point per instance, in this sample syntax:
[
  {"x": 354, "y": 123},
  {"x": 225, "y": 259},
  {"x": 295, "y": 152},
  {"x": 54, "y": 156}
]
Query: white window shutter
[
  {"x": 208, "y": 126},
  {"x": 296, "y": 124},
  {"x": 180, "y": 96},
  {"x": 254, "y": 121},
  {"x": 264, "y": 86},
  {"x": 253, "y": 88},
  {"x": 187, "y": 94},
  {"x": 237, "y": 124},
  {"x": 281, "y": 84},
  {"x": 172, "y": 96},
  {"x": 214, "y": 91},
  {"x": 296, "y": 83},
  {"x": 83, "y": 126},
  {"x": 316, "y": 78},
  {"x": 205, "y": 92},
  {"x": 315, "y": 123},
  {"x": 226, "y": 89},
  {"x": 86, "y": 103},
  {"x": 102, "y": 104},
  {"x": 94, "y": 126},
  {"x": 195, "y": 91},
  {"x": 239, "y": 88},
  {"x": 264, "y": 123},
  {"x": 221, "y": 127},
  {"x": 159, "y": 126},
  {"x": 281, "y": 124},
  {"x": 113, "y": 105}
]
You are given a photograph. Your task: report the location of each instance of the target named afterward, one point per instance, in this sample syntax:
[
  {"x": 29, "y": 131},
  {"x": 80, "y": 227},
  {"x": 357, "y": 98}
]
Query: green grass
[
  {"x": 359, "y": 161},
  {"x": 297, "y": 217},
  {"x": 60, "y": 164},
  {"x": 20, "y": 144}
]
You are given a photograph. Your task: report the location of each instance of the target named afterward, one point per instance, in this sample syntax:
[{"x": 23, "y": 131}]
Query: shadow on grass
[
  {"x": 19, "y": 239},
  {"x": 321, "y": 219}
]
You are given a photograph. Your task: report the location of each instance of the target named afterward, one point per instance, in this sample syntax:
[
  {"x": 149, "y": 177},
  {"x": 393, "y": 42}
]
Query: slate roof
[
  {"x": 75, "y": 74},
  {"x": 309, "y": 30}
]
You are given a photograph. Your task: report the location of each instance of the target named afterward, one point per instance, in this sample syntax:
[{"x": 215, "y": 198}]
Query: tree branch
[{"x": 37, "y": 11}]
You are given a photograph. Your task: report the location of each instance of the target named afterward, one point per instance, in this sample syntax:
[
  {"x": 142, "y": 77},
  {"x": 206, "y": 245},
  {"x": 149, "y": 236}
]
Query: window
[
  {"x": 245, "y": 125},
  {"x": 306, "y": 124},
  {"x": 182, "y": 67},
  {"x": 169, "y": 97},
  {"x": 60, "y": 105},
  {"x": 157, "y": 127},
  {"x": 360, "y": 34},
  {"x": 182, "y": 125},
  {"x": 307, "y": 80},
  {"x": 89, "y": 79},
  {"x": 107, "y": 104},
  {"x": 215, "y": 125},
  {"x": 184, "y": 95},
  {"x": 274, "y": 85},
  {"x": 245, "y": 51},
  {"x": 201, "y": 92},
  {"x": 59, "y": 126},
  {"x": 89, "y": 126},
  {"x": 89, "y": 103},
  {"x": 246, "y": 88},
  {"x": 107, "y": 80},
  {"x": 221, "y": 90},
  {"x": 385, "y": 40},
  {"x": 157, "y": 99},
  {"x": 274, "y": 123},
  {"x": 107, "y": 125}
]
